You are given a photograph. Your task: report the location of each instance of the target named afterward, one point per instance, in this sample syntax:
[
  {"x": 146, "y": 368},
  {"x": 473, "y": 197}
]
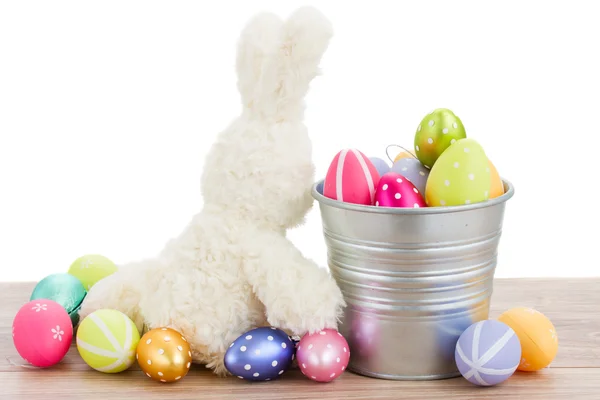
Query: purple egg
[
  {"x": 260, "y": 354},
  {"x": 487, "y": 353},
  {"x": 414, "y": 171},
  {"x": 380, "y": 165}
]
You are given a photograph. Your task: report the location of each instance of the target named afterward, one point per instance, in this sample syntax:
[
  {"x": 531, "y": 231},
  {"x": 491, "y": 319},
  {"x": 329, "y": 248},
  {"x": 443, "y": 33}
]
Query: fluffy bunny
[{"x": 232, "y": 268}]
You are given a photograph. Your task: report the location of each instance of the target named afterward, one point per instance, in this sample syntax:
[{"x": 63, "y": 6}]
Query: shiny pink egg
[
  {"x": 42, "y": 332},
  {"x": 394, "y": 190},
  {"x": 323, "y": 356}
]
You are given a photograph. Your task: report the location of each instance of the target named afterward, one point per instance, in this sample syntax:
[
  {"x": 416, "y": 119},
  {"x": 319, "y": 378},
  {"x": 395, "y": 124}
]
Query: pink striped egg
[
  {"x": 351, "y": 178},
  {"x": 394, "y": 190}
]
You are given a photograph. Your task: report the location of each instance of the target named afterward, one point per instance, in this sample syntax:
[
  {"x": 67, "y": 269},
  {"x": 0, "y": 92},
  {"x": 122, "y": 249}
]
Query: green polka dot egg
[
  {"x": 436, "y": 132},
  {"x": 460, "y": 176}
]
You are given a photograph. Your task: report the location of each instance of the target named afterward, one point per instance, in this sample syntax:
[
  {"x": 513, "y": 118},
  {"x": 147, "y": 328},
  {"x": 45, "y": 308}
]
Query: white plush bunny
[{"x": 233, "y": 269}]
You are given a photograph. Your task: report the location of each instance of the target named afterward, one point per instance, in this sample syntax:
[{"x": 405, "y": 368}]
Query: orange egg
[
  {"x": 497, "y": 188},
  {"x": 539, "y": 342},
  {"x": 164, "y": 355},
  {"x": 404, "y": 154}
]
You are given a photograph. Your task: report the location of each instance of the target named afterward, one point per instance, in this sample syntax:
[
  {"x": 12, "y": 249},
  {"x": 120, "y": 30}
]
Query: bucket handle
[{"x": 397, "y": 145}]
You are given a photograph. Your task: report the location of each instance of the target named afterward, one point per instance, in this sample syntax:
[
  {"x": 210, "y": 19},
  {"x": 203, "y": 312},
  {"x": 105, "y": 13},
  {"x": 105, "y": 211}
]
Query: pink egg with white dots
[
  {"x": 394, "y": 190},
  {"x": 42, "y": 332},
  {"x": 323, "y": 356}
]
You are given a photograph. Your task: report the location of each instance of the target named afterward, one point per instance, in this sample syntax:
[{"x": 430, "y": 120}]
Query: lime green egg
[
  {"x": 107, "y": 340},
  {"x": 461, "y": 175},
  {"x": 91, "y": 268},
  {"x": 436, "y": 132}
]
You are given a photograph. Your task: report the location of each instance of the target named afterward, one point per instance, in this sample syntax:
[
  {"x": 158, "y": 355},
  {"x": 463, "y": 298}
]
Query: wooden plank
[
  {"x": 572, "y": 305},
  {"x": 552, "y": 383}
]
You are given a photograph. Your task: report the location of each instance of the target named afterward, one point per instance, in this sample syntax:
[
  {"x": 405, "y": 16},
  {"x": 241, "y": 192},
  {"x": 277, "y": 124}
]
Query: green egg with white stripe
[{"x": 107, "y": 340}]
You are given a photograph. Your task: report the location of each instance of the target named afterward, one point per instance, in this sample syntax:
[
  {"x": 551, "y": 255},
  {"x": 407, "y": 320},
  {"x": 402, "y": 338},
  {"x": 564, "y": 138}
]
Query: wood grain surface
[{"x": 573, "y": 305}]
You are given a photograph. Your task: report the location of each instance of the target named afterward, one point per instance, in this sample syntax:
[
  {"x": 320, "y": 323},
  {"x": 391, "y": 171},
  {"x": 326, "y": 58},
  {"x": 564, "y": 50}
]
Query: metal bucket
[{"x": 413, "y": 280}]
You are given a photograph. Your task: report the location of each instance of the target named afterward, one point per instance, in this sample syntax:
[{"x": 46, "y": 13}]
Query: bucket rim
[{"x": 509, "y": 191}]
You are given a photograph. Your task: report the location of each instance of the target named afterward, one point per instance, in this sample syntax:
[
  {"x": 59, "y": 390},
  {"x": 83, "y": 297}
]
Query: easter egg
[
  {"x": 164, "y": 355},
  {"x": 323, "y": 356},
  {"x": 487, "y": 353},
  {"x": 403, "y": 154},
  {"x": 381, "y": 165},
  {"x": 394, "y": 190},
  {"x": 436, "y": 132},
  {"x": 460, "y": 176},
  {"x": 539, "y": 341},
  {"x": 42, "y": 332},
  {"x": 91, "y": 268},
  {"x": 497, "y": 187},
  {"x": 64, "y": 289},
  {"x": 414, "y": 171},
  {"x": 107, "y": 340},
  {"x": 351, "y": 178},
  {"x": 261, "y": 354}
]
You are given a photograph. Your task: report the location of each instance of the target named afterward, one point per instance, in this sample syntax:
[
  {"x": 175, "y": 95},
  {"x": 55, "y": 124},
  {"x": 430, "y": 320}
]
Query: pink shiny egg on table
[
  {"x": 42, "y": 332},
  {"x": 394, "y": 190},
  {"x": 323, "y": 356}
]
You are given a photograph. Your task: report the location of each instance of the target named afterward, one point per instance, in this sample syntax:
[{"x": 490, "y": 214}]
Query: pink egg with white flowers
[
  {"x": 394, "y": 190},
  {"x": 351, "y": 178},
  {"x": 323, "y": 356},
  {"x": 42, "y": 332}
]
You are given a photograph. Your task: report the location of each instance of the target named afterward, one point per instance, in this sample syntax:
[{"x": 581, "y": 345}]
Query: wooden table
[{"x": 572, "y": 304}]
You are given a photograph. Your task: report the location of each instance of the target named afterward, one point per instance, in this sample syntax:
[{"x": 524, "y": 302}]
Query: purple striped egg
[{"x": 487, "y": 353}]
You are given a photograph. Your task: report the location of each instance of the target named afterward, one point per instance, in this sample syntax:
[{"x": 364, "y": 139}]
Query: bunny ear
[
  {"x": 258, "y": 42},
  {"x": 290, "y": 60},
  {"x": 306, "y": 36}
]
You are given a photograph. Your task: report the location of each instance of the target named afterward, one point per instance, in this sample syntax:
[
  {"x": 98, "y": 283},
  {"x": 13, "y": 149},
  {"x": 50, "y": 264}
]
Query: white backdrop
[{"x": 108, "y": 108}]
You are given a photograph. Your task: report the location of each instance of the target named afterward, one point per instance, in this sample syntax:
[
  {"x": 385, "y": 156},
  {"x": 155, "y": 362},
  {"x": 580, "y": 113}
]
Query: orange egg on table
[
  {"x": 164, "y": 355},
  {"x": 497, "y": 188},
  {"x": 404, "y": 154},
  {"x": 539, "y": 342}
]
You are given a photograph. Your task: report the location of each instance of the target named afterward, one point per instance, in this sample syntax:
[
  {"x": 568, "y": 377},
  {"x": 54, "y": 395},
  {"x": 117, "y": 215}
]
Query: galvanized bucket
[{"x": 413, "y": 280}]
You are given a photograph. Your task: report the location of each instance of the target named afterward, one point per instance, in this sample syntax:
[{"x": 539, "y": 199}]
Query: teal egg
[{"x": 64, "y": 289}]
